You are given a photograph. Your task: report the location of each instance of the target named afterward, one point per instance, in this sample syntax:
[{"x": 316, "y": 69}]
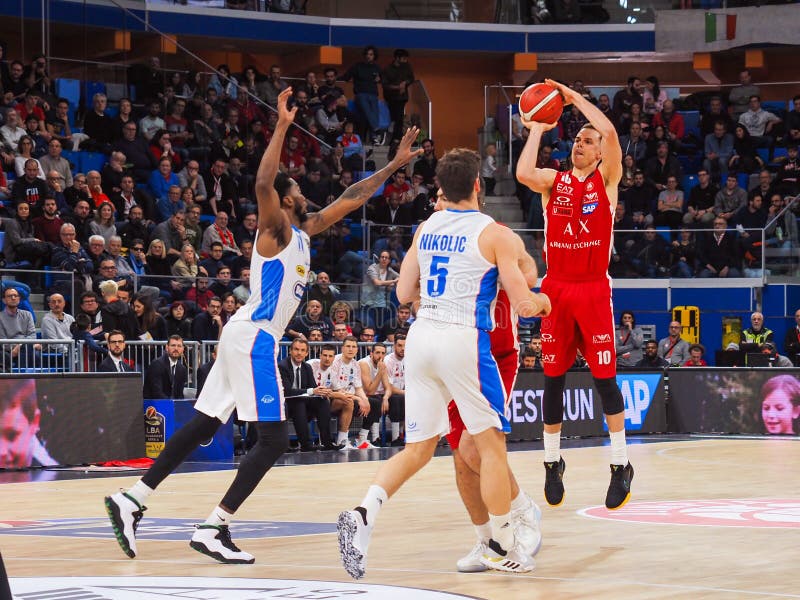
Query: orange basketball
[{"x": 541, "y": 103}]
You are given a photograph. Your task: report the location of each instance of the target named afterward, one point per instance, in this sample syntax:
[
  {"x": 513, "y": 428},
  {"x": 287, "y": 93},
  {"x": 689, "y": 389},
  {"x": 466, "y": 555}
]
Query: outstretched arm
[
  {"x": 270, "y": 215},
  {"x": 357, "y": 194},
  {"x": 611, "y": 167}
]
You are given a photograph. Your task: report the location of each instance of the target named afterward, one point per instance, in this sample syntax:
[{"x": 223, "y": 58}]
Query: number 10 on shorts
[
  {"x": 437, "y": 279},
  {"x": 604, "y": 357}
]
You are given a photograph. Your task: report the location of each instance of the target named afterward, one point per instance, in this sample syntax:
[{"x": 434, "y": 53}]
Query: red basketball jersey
[
  {"x": 578, "y": 228},
  {"x": 504, "y": 335}
]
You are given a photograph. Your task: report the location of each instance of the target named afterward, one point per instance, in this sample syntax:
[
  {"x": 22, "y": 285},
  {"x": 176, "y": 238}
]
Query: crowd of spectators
[{"x": 179, "y": 164}]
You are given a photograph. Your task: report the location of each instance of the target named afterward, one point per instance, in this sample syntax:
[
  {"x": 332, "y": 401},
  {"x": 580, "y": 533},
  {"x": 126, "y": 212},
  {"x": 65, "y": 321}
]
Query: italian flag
[{"x": 720, "y": 27}]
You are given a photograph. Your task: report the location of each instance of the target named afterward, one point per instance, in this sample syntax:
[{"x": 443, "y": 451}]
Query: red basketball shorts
[{"x": 582, "y": 318}]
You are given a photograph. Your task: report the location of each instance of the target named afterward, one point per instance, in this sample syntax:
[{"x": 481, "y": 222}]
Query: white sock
[
  {"x": 362, "y": 434},
  {"x": 552, "y": 446},
  {"x": 375, "y": 431},
  {"x": 140, "y": 492},
  {"x": 502, "y": 531},
  {"x": 395, "y": 430},
  {"x": 484, "y": 532},
  {"x": 520, "y": 502},
  {"x": 619, "y": 449},
  {"x": 219, "y": 517},
  {"x": 373, "y": 501},
  {"x": 341, "y": 438}
]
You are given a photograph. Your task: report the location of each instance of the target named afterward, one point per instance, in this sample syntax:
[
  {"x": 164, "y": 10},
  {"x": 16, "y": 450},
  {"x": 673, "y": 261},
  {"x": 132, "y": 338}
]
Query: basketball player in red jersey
[
  {"x": 579, "y": 208},
  {"x": 467, "y": 462}
]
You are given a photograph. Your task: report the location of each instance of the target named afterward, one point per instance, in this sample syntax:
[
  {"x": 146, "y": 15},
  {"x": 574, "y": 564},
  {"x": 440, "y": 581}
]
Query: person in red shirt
[
  {"x": 293, "y": 161},
  {"x": 579, "y": 207},
  {"x": 696, "y": 352},
  {"x": 31, "y": 107},
  {"x": 48, "y": 226},
  {"x": 398, "y": 184},
  {"x": 672, "y": 122}
]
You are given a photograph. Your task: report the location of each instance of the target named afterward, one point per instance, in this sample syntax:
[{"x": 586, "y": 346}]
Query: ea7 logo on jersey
[
  {"x": 604, "y": 338},
  {"x": 563, "y": 189},
  {"x": 548, "y": 358}
]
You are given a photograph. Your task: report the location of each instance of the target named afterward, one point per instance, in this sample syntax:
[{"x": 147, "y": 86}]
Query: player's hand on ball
[
  {"x": 536, "y": 126},
  {"x": 567, "y": 92}
]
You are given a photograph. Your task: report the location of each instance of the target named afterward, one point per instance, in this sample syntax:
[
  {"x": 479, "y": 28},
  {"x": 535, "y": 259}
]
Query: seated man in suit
[
  {"x": 166, "y": 376},
  {"x": 114, "y": 363},
  {"x": 304, "y": 398}
]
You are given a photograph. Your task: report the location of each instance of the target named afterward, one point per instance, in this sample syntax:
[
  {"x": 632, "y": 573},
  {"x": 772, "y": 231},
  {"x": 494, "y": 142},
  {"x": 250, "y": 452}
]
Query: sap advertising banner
[
  {"x": 643, "y": 392},
  {"x": 756, "y": 401}
]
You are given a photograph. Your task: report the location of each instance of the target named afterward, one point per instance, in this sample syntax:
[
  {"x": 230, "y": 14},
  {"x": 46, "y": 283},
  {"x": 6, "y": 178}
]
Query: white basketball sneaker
[
  {"x": 125, "y": 514},
  {"x": 471, "y": 563},
  {"x": 215, "y": 541},
  {"x": 514, "y": 560},
  {"x": 527, "y": 527},
  {"x": 354, "y": 535}
]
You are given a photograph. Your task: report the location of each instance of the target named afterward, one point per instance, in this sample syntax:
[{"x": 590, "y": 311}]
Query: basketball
[{"x": 541, "y": 103}]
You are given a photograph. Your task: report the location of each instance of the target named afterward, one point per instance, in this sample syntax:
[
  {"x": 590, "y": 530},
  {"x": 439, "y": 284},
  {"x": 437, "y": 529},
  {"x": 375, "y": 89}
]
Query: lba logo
[{"x": 637, "y": 392}]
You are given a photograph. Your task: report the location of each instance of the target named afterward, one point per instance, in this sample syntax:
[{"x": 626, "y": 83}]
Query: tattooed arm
[{"x": 357, "y": 194}]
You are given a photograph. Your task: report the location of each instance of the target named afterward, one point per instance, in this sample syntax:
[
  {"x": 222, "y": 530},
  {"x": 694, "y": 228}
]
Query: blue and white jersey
[
  {"x": 457, "y": 284},
  {"x": 277, "y": 285}
]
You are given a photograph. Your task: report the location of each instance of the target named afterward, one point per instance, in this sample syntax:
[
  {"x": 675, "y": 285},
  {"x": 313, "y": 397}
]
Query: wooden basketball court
[{"x": 750, "y": 483}]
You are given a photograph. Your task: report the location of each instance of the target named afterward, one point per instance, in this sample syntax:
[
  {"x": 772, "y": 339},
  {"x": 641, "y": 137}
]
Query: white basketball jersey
[
  {"x": 396, "y": 370},
  {"x": 457, "y": 284},
  {"x": 373, "y": 372},
  {"x": 346, "y": 376},
  {"x": 323, "y": 377},
  {"x": 277, "y": 285}
]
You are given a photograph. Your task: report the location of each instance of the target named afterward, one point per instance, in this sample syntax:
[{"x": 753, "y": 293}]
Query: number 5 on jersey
[{"x": 437, "y": 279}]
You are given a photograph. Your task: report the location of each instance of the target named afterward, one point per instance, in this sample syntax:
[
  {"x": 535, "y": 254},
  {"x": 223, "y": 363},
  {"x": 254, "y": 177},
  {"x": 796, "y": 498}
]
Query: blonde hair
[
  {"x": 340, "y": 305},
  {"x": 108, "y": 288}
]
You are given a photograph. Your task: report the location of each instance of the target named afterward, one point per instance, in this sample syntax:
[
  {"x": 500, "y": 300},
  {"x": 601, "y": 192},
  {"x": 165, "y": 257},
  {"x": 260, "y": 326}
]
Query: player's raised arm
[
  {"x": 611, "y": 165},
  {"x": 357, "y": 194},
  {"x": 539, "y": 180},
  {"x": 270, "y": 214}
]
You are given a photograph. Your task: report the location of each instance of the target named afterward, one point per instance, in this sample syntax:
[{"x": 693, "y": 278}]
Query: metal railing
[
  {"x": 37, "y": 356},
  {"x": 62, "y": 282}
]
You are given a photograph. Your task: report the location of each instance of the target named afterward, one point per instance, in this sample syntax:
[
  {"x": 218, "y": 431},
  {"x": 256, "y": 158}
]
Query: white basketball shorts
[{"x": 446, "y": 362}]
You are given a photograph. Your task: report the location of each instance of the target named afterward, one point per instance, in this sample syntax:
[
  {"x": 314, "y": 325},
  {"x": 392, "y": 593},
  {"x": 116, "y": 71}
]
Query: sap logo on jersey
[
  {"x": 637, "y": 392},
  {"x": 604, "y": 338},
  {"x": 211, "y": 588},
  {"x": 589, "y": 208}
]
